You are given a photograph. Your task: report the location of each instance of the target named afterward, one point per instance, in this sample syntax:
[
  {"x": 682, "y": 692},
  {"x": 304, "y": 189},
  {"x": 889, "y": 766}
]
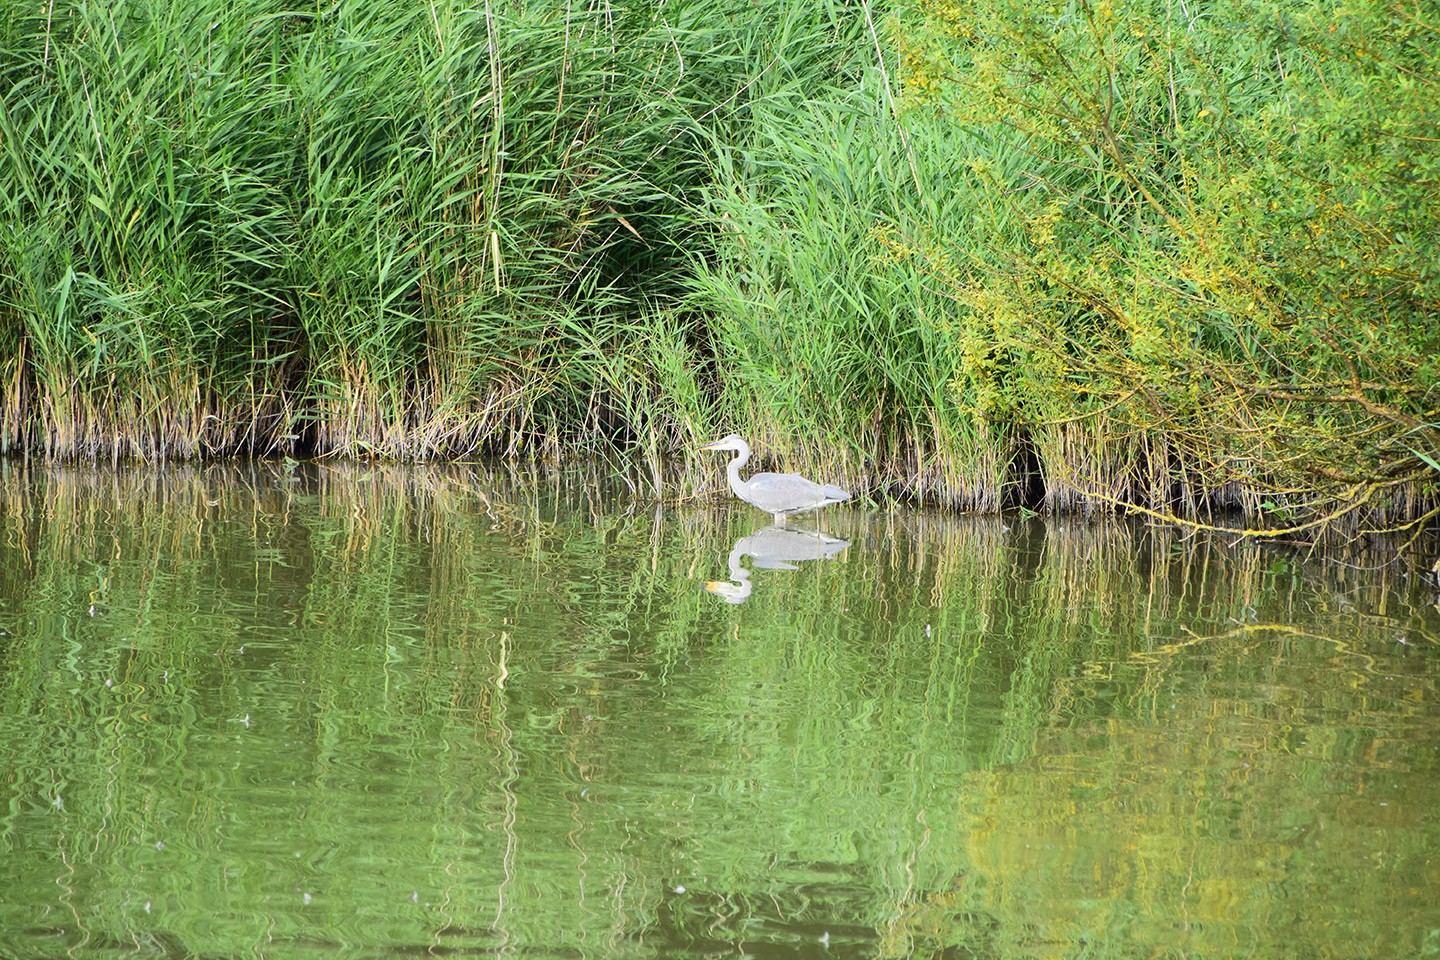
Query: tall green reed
[
  {"x": 831, "y": 345},
  {"x": 405, "y": 230}
]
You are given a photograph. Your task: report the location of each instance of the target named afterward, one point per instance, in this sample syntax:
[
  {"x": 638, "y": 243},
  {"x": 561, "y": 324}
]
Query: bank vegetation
[{"x": 1167, "y": 257}]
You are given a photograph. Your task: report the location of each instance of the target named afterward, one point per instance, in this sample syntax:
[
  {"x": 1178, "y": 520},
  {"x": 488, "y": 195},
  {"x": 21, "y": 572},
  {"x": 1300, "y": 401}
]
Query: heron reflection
[{"x": 773, "y": 548}]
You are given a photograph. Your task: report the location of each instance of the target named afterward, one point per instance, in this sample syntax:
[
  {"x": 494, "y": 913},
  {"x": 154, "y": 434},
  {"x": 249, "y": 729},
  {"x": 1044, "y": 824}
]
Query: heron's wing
[
  {"x": 773, "y": 563},
  {"x": 782, "y": 492},
  {"x": 781, "y": 543}
]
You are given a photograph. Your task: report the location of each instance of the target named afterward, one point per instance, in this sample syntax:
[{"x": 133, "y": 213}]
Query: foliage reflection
[{"x": 309, "y": 710}]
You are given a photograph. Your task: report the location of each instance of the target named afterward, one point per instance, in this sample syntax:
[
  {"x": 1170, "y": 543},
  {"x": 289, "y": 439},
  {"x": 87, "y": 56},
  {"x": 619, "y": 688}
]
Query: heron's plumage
[{"x": 777, "y": 493}]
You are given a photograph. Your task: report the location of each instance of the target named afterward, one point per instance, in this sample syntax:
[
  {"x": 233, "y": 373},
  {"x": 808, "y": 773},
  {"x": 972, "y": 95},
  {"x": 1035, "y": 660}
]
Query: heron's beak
[{"x": 713, "y": 445}]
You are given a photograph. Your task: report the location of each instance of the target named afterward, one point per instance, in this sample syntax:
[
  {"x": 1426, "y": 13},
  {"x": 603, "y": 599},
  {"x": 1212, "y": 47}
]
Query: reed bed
[
  {"x": 396, "y": 230},
  {"x": 1090, "y": 256}
]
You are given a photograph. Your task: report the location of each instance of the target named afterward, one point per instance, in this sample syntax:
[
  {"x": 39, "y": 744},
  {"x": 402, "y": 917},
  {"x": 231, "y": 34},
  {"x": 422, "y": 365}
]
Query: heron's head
[
  {"x": 732, "y": 442},
  {"x": 736, "y": 591}
]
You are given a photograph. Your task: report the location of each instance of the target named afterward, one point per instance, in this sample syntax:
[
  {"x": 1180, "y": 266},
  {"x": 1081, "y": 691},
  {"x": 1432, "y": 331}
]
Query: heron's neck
[
  {"x": 736, "y": 560},
  {"x": 733, "y": 470}
]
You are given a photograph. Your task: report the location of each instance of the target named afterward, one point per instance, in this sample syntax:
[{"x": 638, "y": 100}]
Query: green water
[{"x": 341, "y": 712}]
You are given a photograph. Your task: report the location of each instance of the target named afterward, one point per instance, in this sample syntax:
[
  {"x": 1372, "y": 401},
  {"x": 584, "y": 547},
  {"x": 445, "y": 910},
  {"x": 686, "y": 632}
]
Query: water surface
[{"x": 334, "y": 711}]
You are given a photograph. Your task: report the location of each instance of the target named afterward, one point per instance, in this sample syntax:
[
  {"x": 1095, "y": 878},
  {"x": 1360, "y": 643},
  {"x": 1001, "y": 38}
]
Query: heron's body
[{"x": 780, "y": 494}]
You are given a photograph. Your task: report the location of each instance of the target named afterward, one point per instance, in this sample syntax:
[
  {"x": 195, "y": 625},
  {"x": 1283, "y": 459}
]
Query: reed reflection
[{"x": 775, "y": 547}]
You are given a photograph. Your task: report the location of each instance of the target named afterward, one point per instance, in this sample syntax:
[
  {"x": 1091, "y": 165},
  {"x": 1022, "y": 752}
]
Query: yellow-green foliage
[{"x": 1215, "y": 231}]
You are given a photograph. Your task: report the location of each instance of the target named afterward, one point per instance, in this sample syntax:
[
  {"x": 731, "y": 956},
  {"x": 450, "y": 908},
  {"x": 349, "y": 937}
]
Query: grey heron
[{"x": 778, "y": 493}]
